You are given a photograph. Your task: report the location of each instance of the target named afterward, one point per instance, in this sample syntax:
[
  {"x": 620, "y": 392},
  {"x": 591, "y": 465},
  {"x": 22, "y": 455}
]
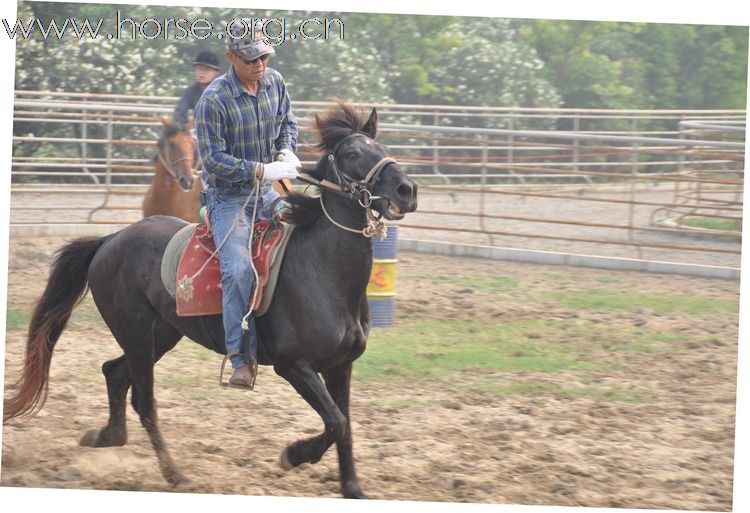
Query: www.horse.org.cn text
[{"x": 274, "y": 31}]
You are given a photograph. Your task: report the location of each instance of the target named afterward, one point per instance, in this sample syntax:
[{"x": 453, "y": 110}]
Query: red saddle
[{"x": 201, "y": 294}]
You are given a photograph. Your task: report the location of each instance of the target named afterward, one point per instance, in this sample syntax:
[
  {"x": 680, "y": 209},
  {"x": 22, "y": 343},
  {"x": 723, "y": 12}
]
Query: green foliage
[
  {"x": 416, "y": 59},
  {"x": 642, "y": 65}
]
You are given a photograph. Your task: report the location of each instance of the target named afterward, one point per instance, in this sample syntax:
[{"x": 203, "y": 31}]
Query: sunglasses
[{"x": 262, "y": 58}]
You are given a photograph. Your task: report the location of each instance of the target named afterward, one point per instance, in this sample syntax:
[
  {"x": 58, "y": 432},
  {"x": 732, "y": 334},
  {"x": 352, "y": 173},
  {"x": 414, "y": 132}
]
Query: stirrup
[{"x": 253, "y": 364}]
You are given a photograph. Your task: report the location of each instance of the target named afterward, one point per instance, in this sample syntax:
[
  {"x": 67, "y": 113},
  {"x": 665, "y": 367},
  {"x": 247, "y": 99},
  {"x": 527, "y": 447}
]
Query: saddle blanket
[{"x": 192, "y": 275}]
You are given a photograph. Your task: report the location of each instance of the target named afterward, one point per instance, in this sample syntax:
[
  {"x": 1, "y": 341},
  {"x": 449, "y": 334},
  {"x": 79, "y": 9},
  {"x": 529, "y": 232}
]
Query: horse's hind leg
[
  {"x": 141, "y": 363},
  {"x": 143, "y": 342},
  {"x": 118, "y": 381},
  {"x": 332, "y": 404}
]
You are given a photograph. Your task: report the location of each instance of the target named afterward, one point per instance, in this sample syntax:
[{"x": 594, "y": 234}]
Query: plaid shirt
[{"x": 236, "y": 130}]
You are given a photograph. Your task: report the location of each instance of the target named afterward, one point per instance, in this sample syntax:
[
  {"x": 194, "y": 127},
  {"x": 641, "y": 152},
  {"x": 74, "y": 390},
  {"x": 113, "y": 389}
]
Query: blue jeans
[{"x": 237, "y": 278}]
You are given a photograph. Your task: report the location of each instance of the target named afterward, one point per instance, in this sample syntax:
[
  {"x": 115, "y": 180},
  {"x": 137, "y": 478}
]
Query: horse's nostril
[{"x": 404, "y": 190}]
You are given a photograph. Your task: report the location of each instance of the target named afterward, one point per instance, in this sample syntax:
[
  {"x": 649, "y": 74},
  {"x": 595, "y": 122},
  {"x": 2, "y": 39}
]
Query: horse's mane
[
  {"x": 336, "y": 123},
  {"x": 173, "y": 129}
]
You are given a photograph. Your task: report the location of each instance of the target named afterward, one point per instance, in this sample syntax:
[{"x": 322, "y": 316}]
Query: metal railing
[{"x": 626, "y": 182}]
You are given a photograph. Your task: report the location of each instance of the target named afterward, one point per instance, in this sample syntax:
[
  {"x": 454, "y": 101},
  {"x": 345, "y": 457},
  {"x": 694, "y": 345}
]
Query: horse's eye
[{"x": 351, "y": 155}]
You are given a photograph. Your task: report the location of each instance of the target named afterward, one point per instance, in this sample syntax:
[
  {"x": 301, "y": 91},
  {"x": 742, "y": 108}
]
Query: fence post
[
  {"x": 576, "y": 142},
  {"x": 483, "y": 187},
  {"x": 634, "y": 172}
]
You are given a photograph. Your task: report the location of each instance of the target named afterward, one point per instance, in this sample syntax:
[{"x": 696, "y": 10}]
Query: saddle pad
[
  {"x": 199, "y": 293},
  {"x": 171, "y": 257}
]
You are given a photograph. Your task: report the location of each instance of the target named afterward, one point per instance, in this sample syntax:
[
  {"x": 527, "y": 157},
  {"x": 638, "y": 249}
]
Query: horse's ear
[
  {"x": 317, "y": 120},
  {"x": 165, "y": 121},
  {"x": 371, "y": 127}
]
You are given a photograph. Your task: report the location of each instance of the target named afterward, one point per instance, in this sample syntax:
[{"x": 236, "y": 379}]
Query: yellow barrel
[
  {"x": 383, "y": 278},
  {"x": 381, "y": 290}
]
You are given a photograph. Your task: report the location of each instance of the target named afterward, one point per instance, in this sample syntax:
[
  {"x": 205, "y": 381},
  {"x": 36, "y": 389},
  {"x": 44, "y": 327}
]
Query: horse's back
[{"x": 131, "y": 258}]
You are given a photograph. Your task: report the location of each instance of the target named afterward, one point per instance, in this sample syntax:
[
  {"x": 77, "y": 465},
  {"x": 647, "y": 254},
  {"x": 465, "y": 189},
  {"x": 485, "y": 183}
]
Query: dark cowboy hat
[{"x": 206, "y": 58}]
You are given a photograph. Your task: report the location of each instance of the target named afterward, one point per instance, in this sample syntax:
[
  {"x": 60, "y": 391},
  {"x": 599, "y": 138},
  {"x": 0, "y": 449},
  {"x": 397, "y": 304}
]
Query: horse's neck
[{"x": 347, "y": 254}]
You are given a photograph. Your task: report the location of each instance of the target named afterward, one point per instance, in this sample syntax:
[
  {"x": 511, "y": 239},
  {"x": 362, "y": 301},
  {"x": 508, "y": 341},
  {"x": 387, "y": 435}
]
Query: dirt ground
[{"x": 433, "y": 441}]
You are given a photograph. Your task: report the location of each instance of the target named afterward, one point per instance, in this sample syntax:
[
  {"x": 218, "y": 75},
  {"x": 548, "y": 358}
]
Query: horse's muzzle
[
  {"x": 402, "y": 200},
  {"x": 406, "y": 195},
  {"x": 186, "y": 184}
]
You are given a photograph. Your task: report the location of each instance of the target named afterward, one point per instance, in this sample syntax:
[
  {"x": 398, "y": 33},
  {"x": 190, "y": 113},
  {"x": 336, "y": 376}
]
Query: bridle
[
  {"x": 169, "y": 164},
  {"x": 354, "y": 190}
]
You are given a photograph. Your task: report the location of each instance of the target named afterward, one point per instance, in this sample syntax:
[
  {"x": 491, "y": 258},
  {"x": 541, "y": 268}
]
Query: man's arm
[
  {"x": 210, "y": 127},
  {"x": 288, "y": 135},
  {"x": 184, "y": 104}
]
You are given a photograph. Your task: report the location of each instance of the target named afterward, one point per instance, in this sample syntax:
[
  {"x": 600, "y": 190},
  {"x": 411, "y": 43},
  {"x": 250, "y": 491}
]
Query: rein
[{"x": 354, "y": 190}]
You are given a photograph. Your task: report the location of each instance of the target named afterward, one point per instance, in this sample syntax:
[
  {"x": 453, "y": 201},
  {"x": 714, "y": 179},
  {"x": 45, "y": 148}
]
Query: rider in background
[
  {"x": 206, "y": 68},
  {"x": 242, "y": 119}
]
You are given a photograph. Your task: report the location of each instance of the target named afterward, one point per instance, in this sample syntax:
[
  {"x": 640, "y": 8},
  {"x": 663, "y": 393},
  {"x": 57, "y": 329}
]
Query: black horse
[{"x": 317, "y": 324}]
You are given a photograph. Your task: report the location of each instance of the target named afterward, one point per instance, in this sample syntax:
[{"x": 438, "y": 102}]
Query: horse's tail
[{"x": 66, "y": 288}]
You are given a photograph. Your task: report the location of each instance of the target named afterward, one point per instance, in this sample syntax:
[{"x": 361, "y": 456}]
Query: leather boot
[{"x": 244, "y": 377}]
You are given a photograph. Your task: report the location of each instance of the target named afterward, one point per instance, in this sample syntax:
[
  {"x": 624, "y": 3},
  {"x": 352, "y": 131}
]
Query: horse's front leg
[
  {"x": 338, "y": 383},
  {"x": 308, "y": 384}
]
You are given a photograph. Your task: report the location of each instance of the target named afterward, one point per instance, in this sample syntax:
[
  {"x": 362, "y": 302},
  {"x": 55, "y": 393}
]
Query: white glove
[
  {"x": 286, "y": 155},
  {"x": 279, "y": 170}
]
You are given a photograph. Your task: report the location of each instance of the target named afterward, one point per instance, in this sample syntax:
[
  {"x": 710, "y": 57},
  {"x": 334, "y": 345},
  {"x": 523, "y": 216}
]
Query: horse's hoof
[
  {"x": 284, "y": 462},
  {"x": 90, "y": 438},
  {"x": 354, "y": 493},
  {"x": 102, "y": 438},
  {"x": 177, "y": 478}
]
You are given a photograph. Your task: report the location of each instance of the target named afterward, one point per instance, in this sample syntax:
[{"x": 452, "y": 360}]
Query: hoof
[
  {"x": 177, "y": 478},
  {"x": 90, "y": 438},
  {"x": 350, "y": 489},
  {"x": 100, "y": 438},
  {"x": 284, "y": 462},
  {"x": 356, "y": 493}
]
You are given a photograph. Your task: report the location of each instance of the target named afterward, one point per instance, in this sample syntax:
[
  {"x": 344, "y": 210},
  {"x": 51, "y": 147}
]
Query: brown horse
[{"x": 176, "y": 186}]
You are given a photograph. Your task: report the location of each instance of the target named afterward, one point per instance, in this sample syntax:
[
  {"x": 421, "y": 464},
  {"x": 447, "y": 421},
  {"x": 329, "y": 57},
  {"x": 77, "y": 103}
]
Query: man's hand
[
  {"x": 286, "y": 155},
  {"x": 279, "y": 170}
]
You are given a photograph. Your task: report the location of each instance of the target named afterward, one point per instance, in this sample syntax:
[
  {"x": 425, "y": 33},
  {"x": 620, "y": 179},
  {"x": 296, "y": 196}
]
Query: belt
[{"x": 226, "y": 185}]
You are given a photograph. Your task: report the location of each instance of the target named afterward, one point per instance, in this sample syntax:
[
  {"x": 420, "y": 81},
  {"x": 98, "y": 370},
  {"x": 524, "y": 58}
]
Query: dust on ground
[{"x": 434, "y": 441}]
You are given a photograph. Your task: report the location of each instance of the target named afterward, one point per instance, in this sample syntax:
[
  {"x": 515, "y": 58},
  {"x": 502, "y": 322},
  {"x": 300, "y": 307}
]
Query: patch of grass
[
  {"x": 634, "y": 394},
  {"x": 484, "y": 358},
  {"x": 559, "y": 277},
  {"x": 17, "y": 319},
  {"x": 713, "y": 223},
  {"x": 433, "y": 349},
  {"x": 491, "y": 284},
  {"x": 632, "y": 301}
]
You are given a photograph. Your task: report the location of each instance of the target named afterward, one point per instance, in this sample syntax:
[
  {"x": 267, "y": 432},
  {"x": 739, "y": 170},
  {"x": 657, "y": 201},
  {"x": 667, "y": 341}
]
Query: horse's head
[
  {"x": 356, "y": 161},
  {"x": 178, "y": 152}
]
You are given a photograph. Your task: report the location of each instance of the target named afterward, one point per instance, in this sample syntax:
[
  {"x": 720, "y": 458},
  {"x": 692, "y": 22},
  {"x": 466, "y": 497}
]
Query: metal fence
[{"x": 664, "y": 185}]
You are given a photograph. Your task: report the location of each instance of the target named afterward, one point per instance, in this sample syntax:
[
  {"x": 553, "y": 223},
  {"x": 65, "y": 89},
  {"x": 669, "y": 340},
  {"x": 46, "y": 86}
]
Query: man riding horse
[{"x": 242, "y": 117}]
